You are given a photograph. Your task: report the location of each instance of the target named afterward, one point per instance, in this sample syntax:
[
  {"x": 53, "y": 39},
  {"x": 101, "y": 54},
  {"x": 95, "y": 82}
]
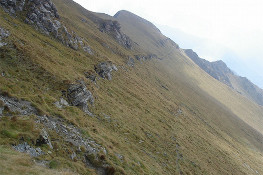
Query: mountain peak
[
  {"x": 127, "y": 15},
  {"x": 122, "y": 12}
]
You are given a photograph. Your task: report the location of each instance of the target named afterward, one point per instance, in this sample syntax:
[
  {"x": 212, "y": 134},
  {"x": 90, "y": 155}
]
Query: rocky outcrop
[
  {"x": 104, "y": 69},
  {"x": 79, "y": 95},
  {"x": 89, "y": 149},
  {"x": 142, "y": 58},
  {"x": 3, "y": 35},
  {"x": 26, "y": 148},
  {"x": 44, "y": 16},
  {"x": 113, "y": 29},
  {"x": 15, "y": 105},
  {"x": 71, "y": 134}
]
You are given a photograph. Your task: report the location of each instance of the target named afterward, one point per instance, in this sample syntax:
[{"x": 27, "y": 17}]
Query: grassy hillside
[{"x": 162, "y": 116}]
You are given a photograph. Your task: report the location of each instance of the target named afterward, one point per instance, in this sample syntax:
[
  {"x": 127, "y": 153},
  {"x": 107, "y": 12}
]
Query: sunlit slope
[{"x": 183, "y": 68}]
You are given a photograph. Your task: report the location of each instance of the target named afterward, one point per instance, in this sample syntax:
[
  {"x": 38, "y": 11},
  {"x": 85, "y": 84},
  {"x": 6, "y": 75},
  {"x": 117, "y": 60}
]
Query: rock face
[
  {"x": 79, "y": 95},
  {"x": 217, "y": 69},
  {"x": 3, "y": 34},
  {"x": 12, "y": 6},
  {"x": 18, "y": 106},
  {"x": 104, "y": 69},
  {"x": 113, "y": 29},
  {"x": 44, "y": 16},
  {"x": 26, "y": 148}
]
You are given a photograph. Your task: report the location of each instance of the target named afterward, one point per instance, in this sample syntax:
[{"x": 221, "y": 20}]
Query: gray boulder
[
  {"x": 104, "y": 69},
  {"x": 26, "y": 148},
  {"x": 130, "y": 62},
  {"x": 61, "y": 103},
  {"x": 79, "y": 95}
]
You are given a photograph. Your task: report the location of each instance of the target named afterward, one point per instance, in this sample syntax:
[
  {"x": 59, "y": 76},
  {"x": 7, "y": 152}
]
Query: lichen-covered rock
[
  {"x": 104, "y": 69},
  {"x": 3, "y": 34},
  {"x": 26, "y": 148},
  {"x": 79, "y": 95},
  {"x": 18, "y": 106}
]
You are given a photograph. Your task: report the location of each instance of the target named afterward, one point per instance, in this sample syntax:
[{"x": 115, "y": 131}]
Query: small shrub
[
  {"x": 6, "y": 94},
  {"x": 6, "y": 109},
  {"x": 102, "y": 157},
  {"x": 53, "y": 164},
  {"x": 1, "y": 104},
  {"x": 9, "y": 134},
  {"x": 110, "y": 170},
  {"x": 14, "y": 119}
]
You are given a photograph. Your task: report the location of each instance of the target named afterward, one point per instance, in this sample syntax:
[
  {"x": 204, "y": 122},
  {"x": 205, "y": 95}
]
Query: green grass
[{"x": 14, "y": 128}]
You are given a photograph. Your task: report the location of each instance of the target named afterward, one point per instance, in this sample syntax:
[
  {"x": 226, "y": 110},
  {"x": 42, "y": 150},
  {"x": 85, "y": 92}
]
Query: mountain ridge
[{"x": 220, "y": 71}]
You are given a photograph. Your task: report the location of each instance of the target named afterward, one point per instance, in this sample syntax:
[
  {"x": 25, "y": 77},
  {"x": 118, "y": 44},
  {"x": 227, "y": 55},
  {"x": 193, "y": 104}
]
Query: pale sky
[{"x": 231, "y": 30}]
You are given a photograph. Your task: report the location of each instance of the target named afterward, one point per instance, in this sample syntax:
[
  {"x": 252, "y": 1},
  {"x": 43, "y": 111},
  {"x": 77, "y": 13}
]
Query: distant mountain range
[{"x": 220, "y": 71}]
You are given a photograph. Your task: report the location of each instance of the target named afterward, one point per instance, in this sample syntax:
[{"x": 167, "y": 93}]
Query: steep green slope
[{"x": 160, "y": 116}]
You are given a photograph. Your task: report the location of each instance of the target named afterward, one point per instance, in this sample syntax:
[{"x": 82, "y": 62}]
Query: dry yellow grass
[
  {"x": 197, "y": 126},
  {"x": 13, "y": 163}
]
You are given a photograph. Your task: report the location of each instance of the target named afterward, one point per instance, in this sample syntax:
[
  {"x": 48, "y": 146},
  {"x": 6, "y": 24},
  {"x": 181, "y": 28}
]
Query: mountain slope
[
  {"x": 160, "y": 115},
  {"x": 221, "y": 72}
]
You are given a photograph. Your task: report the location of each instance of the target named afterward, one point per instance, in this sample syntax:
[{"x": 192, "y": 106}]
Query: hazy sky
[{"x": 231, "y": 30}]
